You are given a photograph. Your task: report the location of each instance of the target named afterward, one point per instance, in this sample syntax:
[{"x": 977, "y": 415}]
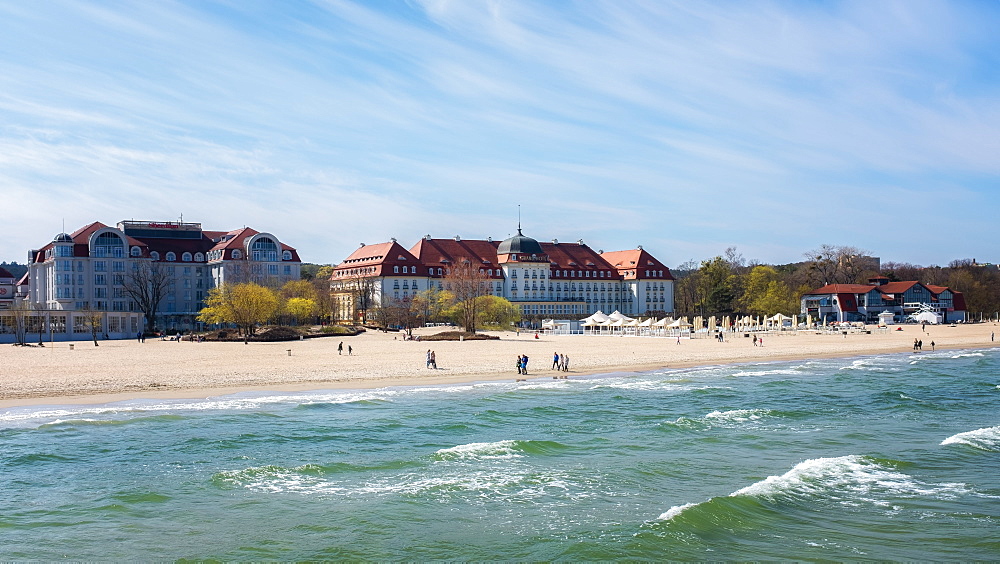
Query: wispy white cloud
[{"x": 681, "y": 124}]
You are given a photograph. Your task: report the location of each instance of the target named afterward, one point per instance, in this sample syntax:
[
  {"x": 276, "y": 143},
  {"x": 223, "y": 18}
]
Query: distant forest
[{"x": 17, "y": 270}]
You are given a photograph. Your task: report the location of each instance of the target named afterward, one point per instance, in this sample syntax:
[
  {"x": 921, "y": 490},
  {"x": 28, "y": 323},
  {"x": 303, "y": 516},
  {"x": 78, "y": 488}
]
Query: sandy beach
[{"x": 118, "y": 370}]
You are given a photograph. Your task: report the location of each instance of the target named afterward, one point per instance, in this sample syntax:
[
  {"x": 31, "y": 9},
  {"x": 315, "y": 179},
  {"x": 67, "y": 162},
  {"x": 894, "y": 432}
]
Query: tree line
[{"x": 729, "y": 284}]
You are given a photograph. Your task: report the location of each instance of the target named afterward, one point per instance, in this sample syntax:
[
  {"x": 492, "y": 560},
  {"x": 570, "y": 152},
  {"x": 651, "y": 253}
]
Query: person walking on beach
[
  {"x": 932, "y": 345},
  {"x": 914, "y": 345},
  {"x": 434, "y": 360},
  {"x": 755, "y": 340},
  {"x": 350, "y": 351},
  {"x": 565, "y": 362},
  {"x": 555, "y": 361},
  {"x": 518, "y": 365},
  {"x": 428, "y": 360},
  {"x": 524, "y": 364},
  {"x": 340, "y": 348}
]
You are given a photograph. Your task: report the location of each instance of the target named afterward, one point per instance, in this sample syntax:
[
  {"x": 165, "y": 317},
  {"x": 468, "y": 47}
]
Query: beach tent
[
  {"x": 617, "y": 315},
  {"x": 927, "y": 317},
  {"x": 598, "y": 316}
]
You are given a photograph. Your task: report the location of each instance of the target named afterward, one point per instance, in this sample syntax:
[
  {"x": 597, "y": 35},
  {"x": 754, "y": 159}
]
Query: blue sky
[{"x": 686, "y": 127}]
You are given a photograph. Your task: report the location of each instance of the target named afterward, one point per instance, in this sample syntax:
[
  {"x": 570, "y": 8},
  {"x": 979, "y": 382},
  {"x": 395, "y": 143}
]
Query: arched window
[
  {"x": 264, "y": 249},
  {"x": 186, "y": 257},
  {"x": 136, "y": 251},
  {"x": 286, "y": 255},
  {"x": 171, "y": 256},
  {"x": 154, "y": 255},
  {"x": 198, "y": 257},
  {"x": 108, "y": 244},
  {"x": 237, "y": 254}
]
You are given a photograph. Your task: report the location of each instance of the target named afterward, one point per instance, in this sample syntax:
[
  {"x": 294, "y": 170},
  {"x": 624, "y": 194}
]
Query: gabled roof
[
  {"x": 844, "y": 289},
  {"x": 4, "y": 273},
  {"x": 637, "y": 261},
  {"x": 440, "y": 253},
  {"x": 898, "y": 287},
  {"x": 380, "y": 259},
  {"x": 574, "y": 256}
]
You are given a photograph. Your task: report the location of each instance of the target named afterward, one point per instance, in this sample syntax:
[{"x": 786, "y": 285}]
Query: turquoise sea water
[{"x": 890, "y": 457}]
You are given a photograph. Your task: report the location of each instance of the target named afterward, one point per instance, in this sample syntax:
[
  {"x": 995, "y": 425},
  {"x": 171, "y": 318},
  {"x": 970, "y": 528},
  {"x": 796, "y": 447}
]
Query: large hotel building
[
  {"x": 87, "y": 271},
  {"x": 557, "y": 280}
]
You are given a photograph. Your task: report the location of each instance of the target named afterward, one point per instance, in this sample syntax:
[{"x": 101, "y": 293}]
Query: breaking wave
[{"x": 987, "y": 439}]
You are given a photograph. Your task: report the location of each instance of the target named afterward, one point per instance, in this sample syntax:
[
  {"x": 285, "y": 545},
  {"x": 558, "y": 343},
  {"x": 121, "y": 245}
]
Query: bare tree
[
  {"x": 147, "y": 284},
  {"x": 94, "y": 318},
  {"x": 362, "y": 296},
  {"x": 468, "y": 282},
  {"x": 838, "y": 265},
  {"x": 39, "y": 317},
  {"x": 21, "y": 311}
]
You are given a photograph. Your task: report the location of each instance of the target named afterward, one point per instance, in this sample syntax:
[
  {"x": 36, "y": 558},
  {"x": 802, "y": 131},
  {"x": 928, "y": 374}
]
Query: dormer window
[
  {"x": 237, "y": 254},
  {"x": 154, "y": 255},
  {"x": 198, "y": 257},
  {"x": 186, "y": 257},
  {"x": 286, "y": 255},
  {"x": 171, "y": 256}
]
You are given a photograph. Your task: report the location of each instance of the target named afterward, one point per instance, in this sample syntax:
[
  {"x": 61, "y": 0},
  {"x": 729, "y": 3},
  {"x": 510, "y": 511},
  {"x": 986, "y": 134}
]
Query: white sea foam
[
  {"x": 967, "y": 355},
  {"x": 987, "y": 438},
  {"x": 767, "y": 372},
  {"x": 490, "y": 484},
  {"x": 848, "y": 479},
  {"x": 140, "y": 408},
  {"x": 739, "y": 415},
  {"x": 675, "y": 511},
  {"x": 481, "y": 451},
  {"x": 868, "y": 365}
]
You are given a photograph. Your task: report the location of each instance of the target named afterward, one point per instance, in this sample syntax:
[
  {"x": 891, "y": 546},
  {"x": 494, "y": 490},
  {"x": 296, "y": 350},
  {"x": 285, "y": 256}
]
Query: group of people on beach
[
  {"x": 560, "y": 362},
  {"x": 918, "y": 345},
  {"x": 432, "y": 359},
  {"x": 522, "y": 364}
]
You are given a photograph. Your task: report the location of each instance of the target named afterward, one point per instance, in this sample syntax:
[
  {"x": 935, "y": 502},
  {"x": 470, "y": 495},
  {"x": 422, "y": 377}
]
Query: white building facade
[
  {"x": 552, "y": 280},
  {"x": 88, "y": 270}
]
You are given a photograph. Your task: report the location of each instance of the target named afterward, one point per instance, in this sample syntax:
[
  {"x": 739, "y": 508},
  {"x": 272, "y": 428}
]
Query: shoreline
[{"x": 215, "y": 385}]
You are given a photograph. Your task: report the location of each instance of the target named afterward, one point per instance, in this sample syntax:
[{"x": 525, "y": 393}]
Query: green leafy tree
[
  {"x": 497, "y": 313},
  {"x": 765, "y": 293},
  {"x": 715, "y": 287}
]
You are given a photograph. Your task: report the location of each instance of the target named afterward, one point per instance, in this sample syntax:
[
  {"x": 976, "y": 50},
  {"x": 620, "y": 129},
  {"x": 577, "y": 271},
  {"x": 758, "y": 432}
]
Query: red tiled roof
[
  {"x": 380, "y": 259},
  {"x": 897, "y": 287},
  {"x": 637, "y": 261},
  {"x": 207, "y": 242},
  {"x": 439, "y": 253},
  {"x": 844, "y": 289}
]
